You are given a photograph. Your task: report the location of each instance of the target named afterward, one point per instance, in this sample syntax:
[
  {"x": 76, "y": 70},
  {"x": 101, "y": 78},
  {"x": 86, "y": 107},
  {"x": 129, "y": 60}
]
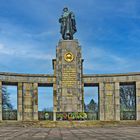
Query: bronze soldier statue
[{"x": 68, "y": 24}]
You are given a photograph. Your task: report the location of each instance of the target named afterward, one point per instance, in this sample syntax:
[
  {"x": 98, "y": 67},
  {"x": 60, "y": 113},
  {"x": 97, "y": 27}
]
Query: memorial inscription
[{"x": 69, "y": 77}]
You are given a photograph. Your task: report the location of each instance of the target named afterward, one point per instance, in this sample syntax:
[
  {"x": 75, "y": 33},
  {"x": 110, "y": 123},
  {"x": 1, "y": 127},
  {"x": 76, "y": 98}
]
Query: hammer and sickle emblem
[{"x": 69, "y": 57}]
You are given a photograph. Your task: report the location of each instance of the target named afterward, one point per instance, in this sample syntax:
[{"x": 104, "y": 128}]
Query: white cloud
[
  {"x": 24, "y": 53},
  {"x": 101, "y": 59}
]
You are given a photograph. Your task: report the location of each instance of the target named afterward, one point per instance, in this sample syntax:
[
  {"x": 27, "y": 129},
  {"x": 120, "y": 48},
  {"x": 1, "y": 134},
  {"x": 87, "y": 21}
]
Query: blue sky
[
  {"x": 45, "y": 98},
  {"x": 108, "y": 31},
  {"x": 90, "y": 93}
]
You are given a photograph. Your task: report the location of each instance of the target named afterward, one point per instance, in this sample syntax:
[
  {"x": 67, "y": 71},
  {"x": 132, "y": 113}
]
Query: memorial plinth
[{"x": 69, "y": 89}]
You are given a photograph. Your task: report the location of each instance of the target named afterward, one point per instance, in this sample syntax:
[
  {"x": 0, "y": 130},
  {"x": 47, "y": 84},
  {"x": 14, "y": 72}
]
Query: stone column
[
  {"x": 20, "y": 102},
  {"x": 117, "y": 101},
  {"x": 35, "y": 101},
  {"x": 54, "y": 92},
  {"x": 54, "y": 99},
  {"x": 54, "y": 116},
  {"x": 54, "y": 102},
  {"x": 0, "y": 101},
  {"x": 138, "y": 100},
  {"x": 27, "y": 104},
  {"x": 101, "y": 102},
  {"x": 109, "y": 91},
  {"x": 54, "y": 88},
  {"x": 83, "y": 97}
]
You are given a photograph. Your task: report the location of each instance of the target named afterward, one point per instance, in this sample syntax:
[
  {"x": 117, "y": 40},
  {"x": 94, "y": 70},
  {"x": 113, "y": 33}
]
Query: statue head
[{"x": 65, "y": 9}]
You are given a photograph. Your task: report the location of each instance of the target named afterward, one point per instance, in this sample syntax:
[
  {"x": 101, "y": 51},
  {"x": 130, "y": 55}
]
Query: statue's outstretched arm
[{"x": 60, "y": 19}]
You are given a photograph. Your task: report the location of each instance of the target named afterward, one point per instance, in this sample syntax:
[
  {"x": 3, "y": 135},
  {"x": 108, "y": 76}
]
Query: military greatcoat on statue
[{"x": 68, "y": 24}]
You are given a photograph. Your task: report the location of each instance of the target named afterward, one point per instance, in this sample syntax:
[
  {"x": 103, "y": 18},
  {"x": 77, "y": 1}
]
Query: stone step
[{"x": 68, "y": 124}]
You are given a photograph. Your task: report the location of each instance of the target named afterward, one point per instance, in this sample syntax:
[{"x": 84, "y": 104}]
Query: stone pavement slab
[{"x": 94, "y": 133}]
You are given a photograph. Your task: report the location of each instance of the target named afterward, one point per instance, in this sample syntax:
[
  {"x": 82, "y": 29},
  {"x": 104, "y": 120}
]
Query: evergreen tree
[
  {"x": 92, "y": 106},
  {"x": 85, "y": 107},
  {"x": 6, "y": 104}
]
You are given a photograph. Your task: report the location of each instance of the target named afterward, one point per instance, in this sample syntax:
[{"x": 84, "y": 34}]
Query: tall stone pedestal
[{"x": 69, "y": 92}]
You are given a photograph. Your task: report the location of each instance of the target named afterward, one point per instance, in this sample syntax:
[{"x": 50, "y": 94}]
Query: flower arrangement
[{"x": 71, "y": 116}]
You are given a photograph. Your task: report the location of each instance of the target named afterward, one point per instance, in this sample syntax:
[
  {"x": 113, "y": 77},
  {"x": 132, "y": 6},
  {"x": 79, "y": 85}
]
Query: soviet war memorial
[
  {"x": 69, "y": 102},
  {"x": 118, "y": 94}
]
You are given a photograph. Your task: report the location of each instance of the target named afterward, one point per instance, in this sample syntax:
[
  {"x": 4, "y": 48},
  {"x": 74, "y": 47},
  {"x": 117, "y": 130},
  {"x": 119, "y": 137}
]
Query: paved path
[{"x": 106, "y": 133}]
